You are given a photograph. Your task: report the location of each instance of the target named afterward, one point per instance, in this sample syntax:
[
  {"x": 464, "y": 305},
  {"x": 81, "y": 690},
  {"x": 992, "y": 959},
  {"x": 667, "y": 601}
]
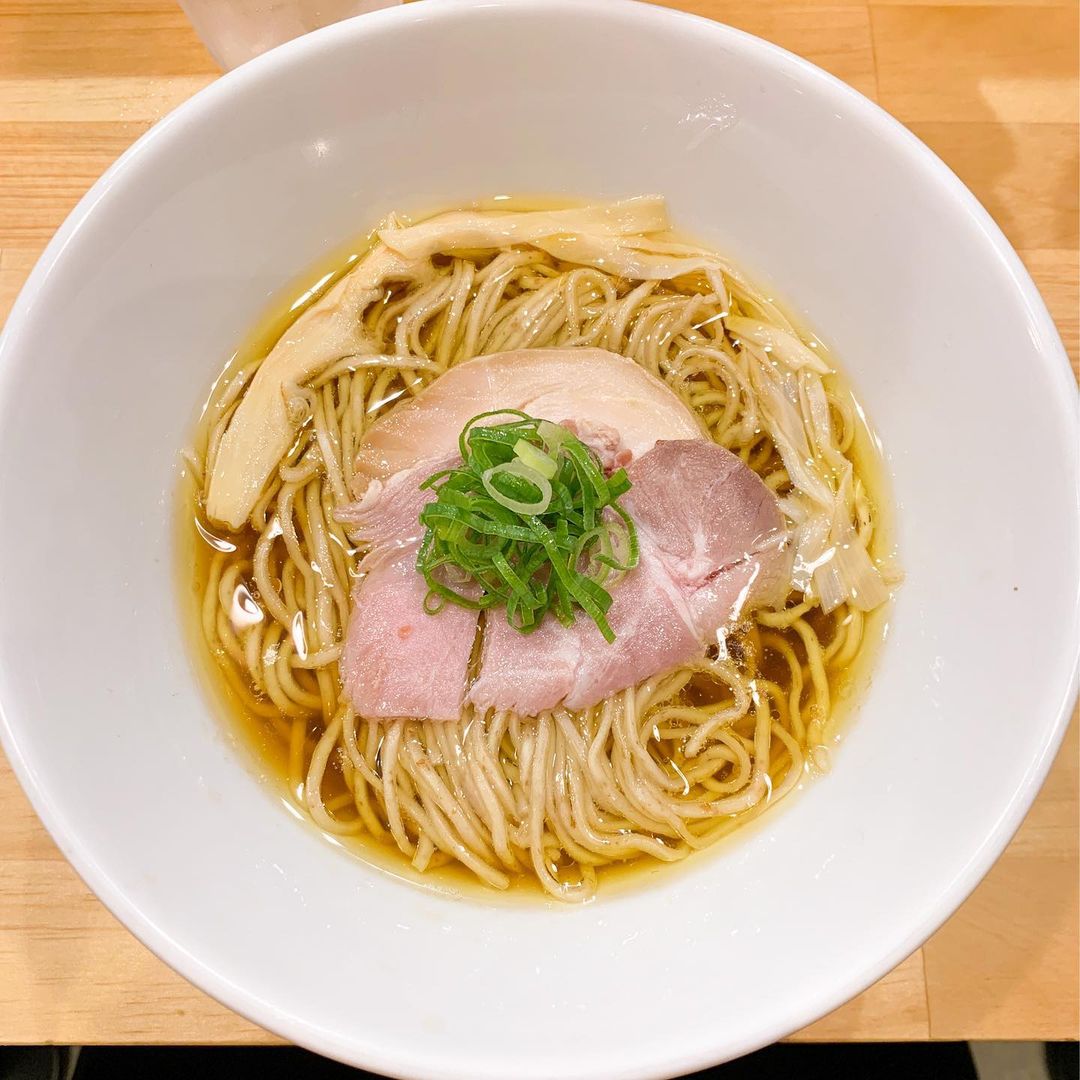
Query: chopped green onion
[
  {"x": 553, "y": 435},
  {"x": 527, "y": 522},
  {"x": 505, "y": 493},
  {"x": 536, "y": 459}
]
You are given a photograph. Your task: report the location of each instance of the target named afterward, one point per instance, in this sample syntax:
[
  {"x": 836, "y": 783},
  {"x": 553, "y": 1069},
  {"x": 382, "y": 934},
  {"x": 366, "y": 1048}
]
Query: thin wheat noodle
[{"x": 655, "y": 771}]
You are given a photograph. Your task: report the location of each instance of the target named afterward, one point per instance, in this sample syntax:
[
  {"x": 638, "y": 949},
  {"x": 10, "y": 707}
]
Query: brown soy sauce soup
[{"x": 568, "y": 798}]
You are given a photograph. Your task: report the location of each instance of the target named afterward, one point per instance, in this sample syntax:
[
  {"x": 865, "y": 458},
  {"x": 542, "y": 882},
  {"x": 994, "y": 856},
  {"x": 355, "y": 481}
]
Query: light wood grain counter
[{"x": 992, "y": 87}]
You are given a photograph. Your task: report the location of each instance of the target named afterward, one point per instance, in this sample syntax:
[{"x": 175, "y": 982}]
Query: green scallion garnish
[{"x": 527, "y": 522}]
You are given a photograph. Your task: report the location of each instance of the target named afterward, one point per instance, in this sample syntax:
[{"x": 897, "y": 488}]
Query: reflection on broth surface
[{"x": 329, "y": 401}]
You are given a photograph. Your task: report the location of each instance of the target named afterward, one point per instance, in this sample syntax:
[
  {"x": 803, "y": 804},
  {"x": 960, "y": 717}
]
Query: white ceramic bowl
[{"x": 172, "y": 257}]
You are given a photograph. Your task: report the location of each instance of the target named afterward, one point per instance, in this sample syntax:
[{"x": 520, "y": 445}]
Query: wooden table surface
[{"x": 992, "y": 87}]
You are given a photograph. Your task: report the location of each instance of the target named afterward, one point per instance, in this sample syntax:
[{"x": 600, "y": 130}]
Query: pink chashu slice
[
  {"x": 398, "y": 660},
  {"x": 713, "y": 546}
]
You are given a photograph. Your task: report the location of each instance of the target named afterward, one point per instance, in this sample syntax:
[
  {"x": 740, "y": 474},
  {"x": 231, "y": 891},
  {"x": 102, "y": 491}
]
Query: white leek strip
[
  {"x": 829, "y": 560},
  {"x": 784, "y": 346},
  {"x": 755, "y": 304},
  {"x": 848, "y": 573},
  {"x": 778, "y": 394},
  {"x": 608, "y": 238},
  {"x": 262, "y": 429},
  {"x": 810, "y": 535},
  {"x": 464, "y": 229},
  {"x": 635, "y": 258},
  {"x": 814, "y": 404}
]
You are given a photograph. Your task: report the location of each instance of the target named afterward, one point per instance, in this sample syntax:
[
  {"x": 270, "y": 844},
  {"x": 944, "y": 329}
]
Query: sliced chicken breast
[{"x": 598, "y": 390}]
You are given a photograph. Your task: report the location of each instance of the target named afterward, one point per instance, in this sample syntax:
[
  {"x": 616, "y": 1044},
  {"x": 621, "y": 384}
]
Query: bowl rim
[{"x": 402, "y": 1060}]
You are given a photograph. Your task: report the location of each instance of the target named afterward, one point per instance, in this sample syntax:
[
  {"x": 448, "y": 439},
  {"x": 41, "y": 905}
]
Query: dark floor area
[{"x": 863, "y": 1061}]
